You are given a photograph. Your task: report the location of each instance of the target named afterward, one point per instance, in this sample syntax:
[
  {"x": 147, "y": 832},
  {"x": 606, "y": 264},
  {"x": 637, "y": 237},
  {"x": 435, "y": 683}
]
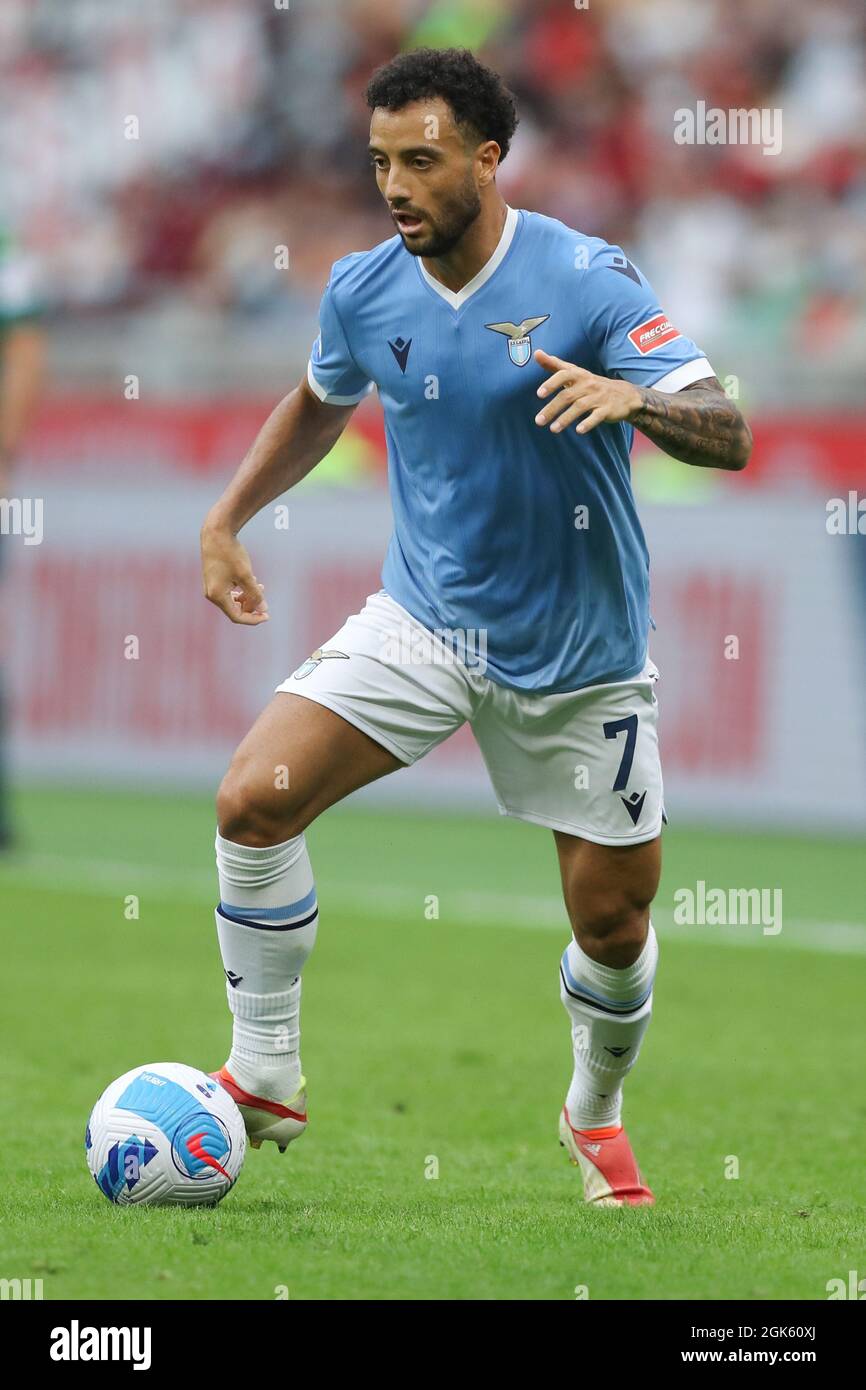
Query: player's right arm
[
  {"x": 302, "y": 429},
  {"x": 297, "y": 434}
]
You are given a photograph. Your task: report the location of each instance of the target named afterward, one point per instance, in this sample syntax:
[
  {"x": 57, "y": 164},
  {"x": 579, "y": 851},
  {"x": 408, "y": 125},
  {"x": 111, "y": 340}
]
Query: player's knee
[
  {"x": 253, "y": 811},
  {"x": 612, "y": 928}
]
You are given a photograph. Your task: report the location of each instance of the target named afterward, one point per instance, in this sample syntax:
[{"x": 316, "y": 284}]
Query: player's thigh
[
  {"x": 390, "y": 677},
  {"x": 298, "y": 759},
  {"x": 378, "y": 695}
]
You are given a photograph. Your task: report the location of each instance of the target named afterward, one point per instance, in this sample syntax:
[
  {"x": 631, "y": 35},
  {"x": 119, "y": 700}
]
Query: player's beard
[{"x": 453, "y": 219}]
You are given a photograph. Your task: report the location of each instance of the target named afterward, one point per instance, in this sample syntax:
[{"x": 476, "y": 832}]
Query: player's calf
[
  {"x": 606, "y": 982},
  {"x": 266, "y": 921},
  {"x": 297, "y": 759}
]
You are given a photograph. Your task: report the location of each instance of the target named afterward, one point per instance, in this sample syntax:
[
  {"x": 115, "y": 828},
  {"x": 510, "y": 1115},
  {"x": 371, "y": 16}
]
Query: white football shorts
[{"x": 585, "y": 762}]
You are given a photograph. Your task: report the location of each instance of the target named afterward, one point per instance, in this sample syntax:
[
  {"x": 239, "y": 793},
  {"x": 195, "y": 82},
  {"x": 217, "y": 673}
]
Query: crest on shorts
[
  {"x": 519, "y": 344},
  {"x": 315, "y": 659}
]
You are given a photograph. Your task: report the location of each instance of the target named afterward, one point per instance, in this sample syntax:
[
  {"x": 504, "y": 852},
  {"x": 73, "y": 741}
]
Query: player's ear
[{"x": 487, "y": 156}]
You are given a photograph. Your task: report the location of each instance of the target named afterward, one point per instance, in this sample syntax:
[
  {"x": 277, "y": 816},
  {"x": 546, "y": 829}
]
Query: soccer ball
[{"x": 165, "y": 1134}]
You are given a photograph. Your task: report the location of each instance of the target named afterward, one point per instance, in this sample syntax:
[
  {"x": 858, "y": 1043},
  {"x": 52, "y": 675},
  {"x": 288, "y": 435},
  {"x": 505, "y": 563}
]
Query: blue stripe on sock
[
  {"x": 582, "y": 991},
  {"x": 236, "y": 915},
  {"x": 272, "y": 914}
]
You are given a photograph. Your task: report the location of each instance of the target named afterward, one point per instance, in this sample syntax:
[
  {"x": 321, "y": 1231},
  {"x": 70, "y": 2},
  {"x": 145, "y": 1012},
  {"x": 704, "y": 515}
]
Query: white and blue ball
[{"x": 165, "y": 1134}]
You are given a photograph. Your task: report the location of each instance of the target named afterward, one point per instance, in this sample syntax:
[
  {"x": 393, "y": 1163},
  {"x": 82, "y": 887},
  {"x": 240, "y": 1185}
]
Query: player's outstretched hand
[
  {"x": 577, "y": 392},
  {"x": 228, "y": 579}
]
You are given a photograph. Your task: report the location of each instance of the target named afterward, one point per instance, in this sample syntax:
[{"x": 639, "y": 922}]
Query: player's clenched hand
[
  {"x": 577, "y": 392},
  {"x": 228, "y": 579}
]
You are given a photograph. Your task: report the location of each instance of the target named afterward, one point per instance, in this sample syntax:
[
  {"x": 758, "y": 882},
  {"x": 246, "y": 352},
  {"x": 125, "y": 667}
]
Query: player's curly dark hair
[{"x": 478, "y": 97}]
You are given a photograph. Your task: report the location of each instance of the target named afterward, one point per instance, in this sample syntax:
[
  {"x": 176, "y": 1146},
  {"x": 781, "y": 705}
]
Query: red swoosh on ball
[{"x": 195, "y": 1148}]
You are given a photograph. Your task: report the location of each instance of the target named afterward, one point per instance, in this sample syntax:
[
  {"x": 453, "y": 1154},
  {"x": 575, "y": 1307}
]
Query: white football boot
[{"x": 267, "y": 1119}]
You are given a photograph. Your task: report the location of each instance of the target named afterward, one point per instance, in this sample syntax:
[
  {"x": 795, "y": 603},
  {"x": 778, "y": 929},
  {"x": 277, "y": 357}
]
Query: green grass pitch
[{"x": 435, "y": 1038}]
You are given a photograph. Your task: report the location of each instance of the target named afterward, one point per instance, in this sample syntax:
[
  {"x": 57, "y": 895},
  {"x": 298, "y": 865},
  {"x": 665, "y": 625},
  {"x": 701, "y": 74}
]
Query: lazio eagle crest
[
  {"x": 519, "y": 345},
  {"x": 315, "y": 660}
]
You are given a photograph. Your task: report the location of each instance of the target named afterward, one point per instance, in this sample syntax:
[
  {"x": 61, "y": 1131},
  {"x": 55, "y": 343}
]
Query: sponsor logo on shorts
[
  {"x": 314, "y": 660},
  {"x": 653, "y": 334}
]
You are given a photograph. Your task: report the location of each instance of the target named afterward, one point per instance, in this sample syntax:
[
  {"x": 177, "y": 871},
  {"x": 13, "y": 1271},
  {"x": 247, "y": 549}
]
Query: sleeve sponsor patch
[{"x": 654, "y": 333}]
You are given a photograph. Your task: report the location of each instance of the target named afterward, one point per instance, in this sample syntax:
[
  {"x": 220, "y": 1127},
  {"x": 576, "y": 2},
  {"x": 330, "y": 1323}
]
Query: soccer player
[{"x": 513, "y": 357}]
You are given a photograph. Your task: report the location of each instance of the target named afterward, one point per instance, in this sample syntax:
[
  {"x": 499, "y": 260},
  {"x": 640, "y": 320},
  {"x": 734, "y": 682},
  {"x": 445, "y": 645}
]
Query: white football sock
[
  {"x": 266, "y": 924},
  {"x": 610, "y": 1011}
]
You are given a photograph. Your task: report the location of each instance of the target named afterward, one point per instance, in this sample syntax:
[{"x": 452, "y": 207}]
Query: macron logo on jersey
[
  {"x": 400, "y": 349},
  {"x": 655, "y": 333}
]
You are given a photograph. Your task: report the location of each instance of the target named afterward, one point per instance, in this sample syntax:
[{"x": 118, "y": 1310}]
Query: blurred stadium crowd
[
  {"x": 153, "y": 156},
  {"x": 251, "y": 132}
]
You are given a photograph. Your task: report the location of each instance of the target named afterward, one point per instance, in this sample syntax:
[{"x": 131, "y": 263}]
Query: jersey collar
[{"x": 457, "y": 298}]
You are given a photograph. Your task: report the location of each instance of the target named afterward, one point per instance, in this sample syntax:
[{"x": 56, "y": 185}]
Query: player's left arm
[
  {"x": 645, "y": 371},
  {"x": 698, "y": 424}
]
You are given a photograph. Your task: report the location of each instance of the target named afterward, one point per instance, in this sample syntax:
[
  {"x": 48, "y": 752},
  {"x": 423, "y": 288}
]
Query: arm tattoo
[{"x": 698, "y": 425}]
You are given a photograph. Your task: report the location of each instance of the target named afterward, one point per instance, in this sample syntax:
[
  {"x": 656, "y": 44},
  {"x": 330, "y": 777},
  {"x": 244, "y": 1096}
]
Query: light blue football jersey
[{"x": 501, "y": 526}]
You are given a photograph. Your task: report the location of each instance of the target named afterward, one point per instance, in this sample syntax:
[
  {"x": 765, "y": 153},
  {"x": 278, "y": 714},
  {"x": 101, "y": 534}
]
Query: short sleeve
[
  {"x": 332, "y": 372},
  {"x": 632, "y": 336}
]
